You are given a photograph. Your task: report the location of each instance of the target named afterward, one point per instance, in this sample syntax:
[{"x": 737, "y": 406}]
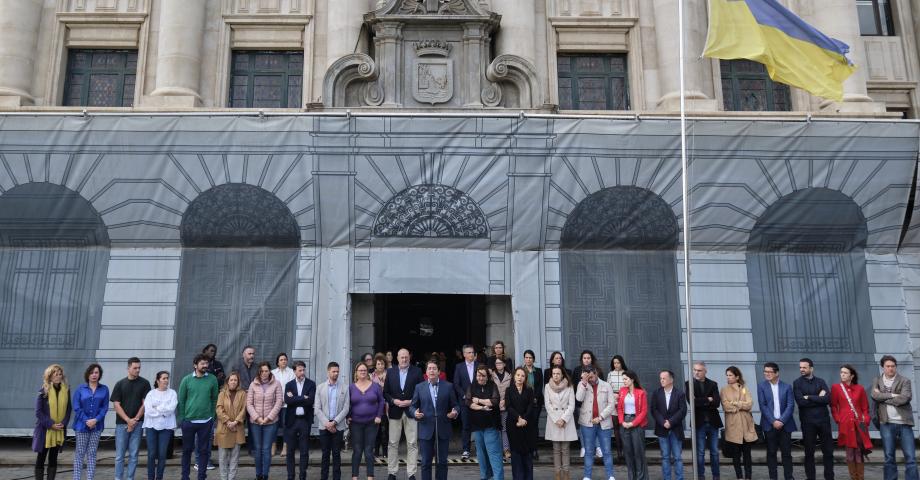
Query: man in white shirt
[
  {"x": 669, "y": 408},
  {"x": 777, "y": 405}
]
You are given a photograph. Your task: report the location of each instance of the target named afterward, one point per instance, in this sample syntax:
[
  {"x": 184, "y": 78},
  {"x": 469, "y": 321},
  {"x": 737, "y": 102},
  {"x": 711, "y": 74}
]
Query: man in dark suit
[
  {"x": 776, "y": 407},
  {"x": 434, "y": 405},
  {"x": 397, "y": 390},
  {"x": 706, "y": 402},
  {"x": 298, "y": 395},
  {"x": 464, "y": 376},
  {"x": 669, "y": 408}
]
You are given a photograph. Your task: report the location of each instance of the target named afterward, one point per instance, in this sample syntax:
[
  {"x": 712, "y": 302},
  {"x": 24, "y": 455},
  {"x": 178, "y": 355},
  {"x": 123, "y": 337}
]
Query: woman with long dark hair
[
  {"x": 263, "y": 403},
  {"x": 90, "y": 404},
  {"x": 365, "y": 415},
  {"x": 560, "y": 421},
  {"x": 159, "y": 423},
  {"x": 52, "y": 414},
  {"x": 739, "y": 423},
  {"x": 633, "y": 411},
  {"x": 850, "y": 409},
  {"x": 522, "y": 430},
  {"x": 482, "y": 399},
  {"x": 615, "y": 379},
  {"x": 555, "y": 359}
]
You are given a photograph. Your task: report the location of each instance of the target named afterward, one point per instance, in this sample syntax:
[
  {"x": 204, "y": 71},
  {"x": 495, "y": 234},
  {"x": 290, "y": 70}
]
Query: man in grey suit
[
  {"x": 330, "y": 409},
  {"x": 892, "y": 394}
]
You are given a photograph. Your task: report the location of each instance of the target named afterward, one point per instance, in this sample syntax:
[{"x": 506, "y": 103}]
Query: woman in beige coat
[
  {"x": 739, "y": 423},
  {"x": 231, "y": 426},
  {"x": 559, "y": 400},
  {"x": 502, "y": 380}
]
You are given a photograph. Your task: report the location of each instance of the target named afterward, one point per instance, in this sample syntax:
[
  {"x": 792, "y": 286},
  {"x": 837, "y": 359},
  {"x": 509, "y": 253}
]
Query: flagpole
[{"x": 685, "y": 201}]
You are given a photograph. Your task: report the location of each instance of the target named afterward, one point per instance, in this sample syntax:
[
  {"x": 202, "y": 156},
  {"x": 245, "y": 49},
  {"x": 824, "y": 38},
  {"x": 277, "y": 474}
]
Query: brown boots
[{"x": 857, "y": 470}]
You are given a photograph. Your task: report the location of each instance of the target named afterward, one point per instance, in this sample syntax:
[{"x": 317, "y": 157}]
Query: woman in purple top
[{"x": 364, "y": 417}]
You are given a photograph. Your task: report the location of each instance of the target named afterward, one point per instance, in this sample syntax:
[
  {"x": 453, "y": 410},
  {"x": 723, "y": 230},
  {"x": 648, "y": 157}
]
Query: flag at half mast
[{"x": 794, "y": 52}]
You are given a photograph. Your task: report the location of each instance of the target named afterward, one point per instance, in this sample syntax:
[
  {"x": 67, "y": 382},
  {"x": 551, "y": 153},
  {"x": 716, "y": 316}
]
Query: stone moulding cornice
[
  {"x": 268, "y": 19},
  {"x": 101, "y": 18},
  {"x": 520, "y": 72},
  {"x": 350, "y": 68}
]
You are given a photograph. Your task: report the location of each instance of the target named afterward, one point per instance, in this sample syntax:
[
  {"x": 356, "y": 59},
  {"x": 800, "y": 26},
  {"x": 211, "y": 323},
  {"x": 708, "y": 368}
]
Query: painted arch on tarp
[
  {"x": 619, "y": 283},
  {"x": 238, "y": 279},
  {"x": 54, "y": 254},
  {"x": 808, "y": 284}
]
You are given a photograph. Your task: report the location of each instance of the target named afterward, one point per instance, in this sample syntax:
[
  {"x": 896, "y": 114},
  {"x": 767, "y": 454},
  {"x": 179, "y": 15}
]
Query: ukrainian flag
[{"x": 794, "y": 52}]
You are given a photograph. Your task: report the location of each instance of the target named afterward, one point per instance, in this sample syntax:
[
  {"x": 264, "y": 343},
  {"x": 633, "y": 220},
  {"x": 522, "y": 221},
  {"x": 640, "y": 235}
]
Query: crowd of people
[{"x": 498, "y": 408}]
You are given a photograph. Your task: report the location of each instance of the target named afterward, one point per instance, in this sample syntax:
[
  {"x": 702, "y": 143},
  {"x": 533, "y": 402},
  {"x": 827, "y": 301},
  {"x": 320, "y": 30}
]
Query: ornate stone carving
[
  {"x": 439, "y": 7},
  {"x": 348, "y": 69},
  {"x": 433, "y": 78},
  {"x": 520, "y": 72},
  {"x": 431, "y": 210}
]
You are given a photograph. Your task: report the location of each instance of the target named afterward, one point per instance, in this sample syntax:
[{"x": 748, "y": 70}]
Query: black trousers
[
  {"x": 811, "y": 432},
  {"x": 51, "y": 454},
  {"x": 779, "y": 440},
  {"x": 331, "y": 445},
  {"x": 297, "y": 437},
  {"x": 742, "y": 460}
]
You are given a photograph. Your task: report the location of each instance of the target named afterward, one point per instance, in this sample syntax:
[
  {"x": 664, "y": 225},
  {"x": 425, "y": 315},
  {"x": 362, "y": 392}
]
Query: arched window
[
  {"x": 431, "y": 211},
  {"x": 619, "y": 284},
  {"x": 239, "y": 275},
  {"x": 807, "y": 281},
  {"x": 53, "y": 261}
]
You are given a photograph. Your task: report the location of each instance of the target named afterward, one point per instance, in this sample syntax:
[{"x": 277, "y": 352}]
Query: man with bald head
[{"x": 397, "y": 390}]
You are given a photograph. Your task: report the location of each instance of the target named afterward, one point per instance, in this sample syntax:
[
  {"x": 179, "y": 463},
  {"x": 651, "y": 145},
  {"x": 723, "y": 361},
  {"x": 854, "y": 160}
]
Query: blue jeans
[
  {"x": 707, "y": 435},
  {"x": 126, "y": 443},
  {"x": 893, "y": 433},
  {"x": 262, "y": 438},
  {"x": 489, "y": 453},
  {"x": 157, "y": 448},
  {"x": 591, "y": 438},
  {"x": 671, "y": 449}
]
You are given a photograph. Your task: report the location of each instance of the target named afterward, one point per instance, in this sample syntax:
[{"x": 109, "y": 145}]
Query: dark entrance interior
[{"x": 426, "y": 323}]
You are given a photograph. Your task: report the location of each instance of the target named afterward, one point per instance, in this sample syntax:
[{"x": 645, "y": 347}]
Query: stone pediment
[{"x": 428, "y": 8}]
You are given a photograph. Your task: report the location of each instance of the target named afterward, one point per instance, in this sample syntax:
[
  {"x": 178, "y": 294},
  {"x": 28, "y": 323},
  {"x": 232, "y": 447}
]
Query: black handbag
[{"x": 729, "y": 449}]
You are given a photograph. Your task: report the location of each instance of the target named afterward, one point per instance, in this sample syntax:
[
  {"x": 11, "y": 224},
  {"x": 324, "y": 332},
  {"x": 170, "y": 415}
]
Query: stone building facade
[
  {"x": 302, "y": 173},
  {"x": 544, "y": 55}
]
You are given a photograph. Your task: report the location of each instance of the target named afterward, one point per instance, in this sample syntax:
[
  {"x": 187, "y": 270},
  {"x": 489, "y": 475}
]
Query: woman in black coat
[{"x": 522, "y": 430}]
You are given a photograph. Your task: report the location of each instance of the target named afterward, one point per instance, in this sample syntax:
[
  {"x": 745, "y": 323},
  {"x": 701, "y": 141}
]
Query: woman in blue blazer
[{"x": 90, "y": 404}]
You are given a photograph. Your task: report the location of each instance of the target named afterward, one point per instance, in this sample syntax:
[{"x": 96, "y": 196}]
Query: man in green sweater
[{"x": 196, "y": 416}]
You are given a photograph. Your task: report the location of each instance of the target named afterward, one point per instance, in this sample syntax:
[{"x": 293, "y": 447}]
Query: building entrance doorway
[{"x": 427, "y": 324}]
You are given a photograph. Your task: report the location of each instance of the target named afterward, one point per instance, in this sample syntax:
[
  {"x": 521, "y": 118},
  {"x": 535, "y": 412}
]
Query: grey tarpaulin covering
[{"x": 154, "y": 235}]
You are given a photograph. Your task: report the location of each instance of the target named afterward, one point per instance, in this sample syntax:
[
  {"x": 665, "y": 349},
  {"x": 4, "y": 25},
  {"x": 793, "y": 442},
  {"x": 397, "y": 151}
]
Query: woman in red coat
[
  {"x": 850, "y": 408},
  {"x": 632, "y": 409}
]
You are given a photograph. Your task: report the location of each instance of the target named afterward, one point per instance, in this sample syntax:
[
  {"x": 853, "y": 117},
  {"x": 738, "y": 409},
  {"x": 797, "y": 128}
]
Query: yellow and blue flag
[{"x": 794, "y": 52}]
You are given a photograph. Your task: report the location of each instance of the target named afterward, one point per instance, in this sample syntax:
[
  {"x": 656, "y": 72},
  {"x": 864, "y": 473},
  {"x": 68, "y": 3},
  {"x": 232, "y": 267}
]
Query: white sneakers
[{"x": 598, "y": 453}]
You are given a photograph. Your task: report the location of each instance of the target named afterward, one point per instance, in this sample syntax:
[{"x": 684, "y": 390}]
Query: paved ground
[
  {"x": 16, "y": 462},
  {"x": 543, "y": 472}
]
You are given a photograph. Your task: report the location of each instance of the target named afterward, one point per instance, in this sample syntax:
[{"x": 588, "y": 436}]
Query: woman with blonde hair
[
  {"x": 231, "y": 426},
  {"x": 739, "y": 423},
  {"x": 52, "y": 413}
]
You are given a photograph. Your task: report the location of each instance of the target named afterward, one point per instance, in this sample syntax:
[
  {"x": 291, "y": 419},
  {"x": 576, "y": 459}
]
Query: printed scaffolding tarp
[{"x": 145, "y": 235}]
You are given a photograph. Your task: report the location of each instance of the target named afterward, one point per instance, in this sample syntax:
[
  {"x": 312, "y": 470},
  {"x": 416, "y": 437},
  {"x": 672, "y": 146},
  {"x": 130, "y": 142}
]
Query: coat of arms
[{"x": 433, "y": 78}]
